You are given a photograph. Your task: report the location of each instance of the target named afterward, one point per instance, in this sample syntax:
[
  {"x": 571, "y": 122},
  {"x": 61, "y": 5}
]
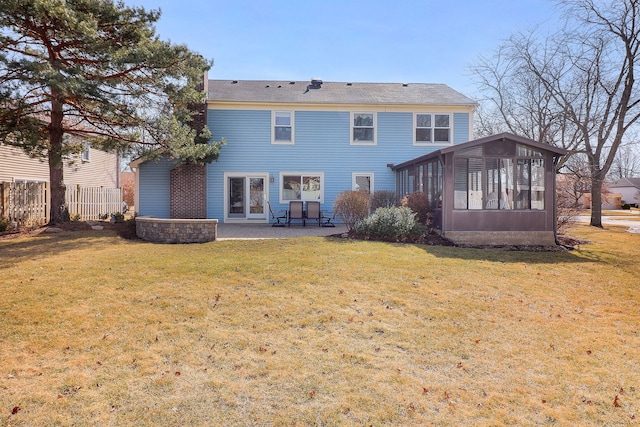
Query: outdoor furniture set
[{"x": 297, "y": 212}]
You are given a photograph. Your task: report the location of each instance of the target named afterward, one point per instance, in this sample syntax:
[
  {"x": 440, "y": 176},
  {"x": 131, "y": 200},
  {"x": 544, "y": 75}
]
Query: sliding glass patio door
[{"x": 246, "y": 196}]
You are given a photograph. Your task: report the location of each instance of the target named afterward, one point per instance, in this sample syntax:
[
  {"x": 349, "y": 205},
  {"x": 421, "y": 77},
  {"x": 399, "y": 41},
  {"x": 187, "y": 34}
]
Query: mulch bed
[
  {"x": 566, "y": 243},
  {"x": 126, "y": 230}
]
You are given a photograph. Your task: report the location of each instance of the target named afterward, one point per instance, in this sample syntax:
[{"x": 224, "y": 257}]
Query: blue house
[{"x": 308, "y": 141}]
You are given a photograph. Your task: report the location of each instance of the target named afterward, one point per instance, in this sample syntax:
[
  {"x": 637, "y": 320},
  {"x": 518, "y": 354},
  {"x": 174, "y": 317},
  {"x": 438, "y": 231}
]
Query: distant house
[
  {"x": 309, "y": 141},
  {"x": 629, "y": 190},
  {"x": 127, "y": 183}
]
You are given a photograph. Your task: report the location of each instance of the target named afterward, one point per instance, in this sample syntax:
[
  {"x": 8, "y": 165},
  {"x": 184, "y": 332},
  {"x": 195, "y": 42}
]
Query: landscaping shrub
[
  {"x": 419, "y": 204},
  {"x": 351, "y": 207},
  {"x": 393, "y": 223},
  {"x": 117, "y": 217},
  {"x": 4, "y": 224},
  {"x": 383, "y": 199}
]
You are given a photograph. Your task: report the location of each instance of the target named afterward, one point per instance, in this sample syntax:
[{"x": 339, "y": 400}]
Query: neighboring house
[
  {"x": 496, "y": 190},
  {"x": 92, "y": 167},
  {"x": 309, "y": 141},
  {"x": 92, "y": 179},
  {"x": 628, "y": 188}
]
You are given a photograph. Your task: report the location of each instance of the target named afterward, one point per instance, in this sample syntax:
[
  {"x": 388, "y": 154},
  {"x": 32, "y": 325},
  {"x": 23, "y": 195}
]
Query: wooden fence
[
  {"x": 92, "y": 202},
  {"x": 27, "y": 203}
]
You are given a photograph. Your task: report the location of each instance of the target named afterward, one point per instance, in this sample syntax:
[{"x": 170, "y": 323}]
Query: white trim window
[
  {"x": 282, "y": 129},
  {"x": 363, "y": 128},
  {"x": 362, "y": 181},
  {"x": 85, "y": 155},
  {"x": 305, "y": 186},
  {"x": 432, "y": 129}
]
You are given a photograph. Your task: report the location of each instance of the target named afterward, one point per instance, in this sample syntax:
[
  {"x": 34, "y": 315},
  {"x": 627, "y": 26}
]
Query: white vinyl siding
[{"x": 101, "y": 171}]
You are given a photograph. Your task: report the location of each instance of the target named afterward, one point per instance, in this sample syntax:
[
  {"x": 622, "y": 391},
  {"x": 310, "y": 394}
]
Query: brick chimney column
[{"x": 189, "y": 182}]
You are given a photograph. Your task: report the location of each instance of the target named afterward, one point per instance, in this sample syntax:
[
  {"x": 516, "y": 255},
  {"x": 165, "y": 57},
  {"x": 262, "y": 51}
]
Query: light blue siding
[
  {"x": 322, "y": 144},
  {"x": 461, "y": 124},
  {"x": 154, "y": 189}
]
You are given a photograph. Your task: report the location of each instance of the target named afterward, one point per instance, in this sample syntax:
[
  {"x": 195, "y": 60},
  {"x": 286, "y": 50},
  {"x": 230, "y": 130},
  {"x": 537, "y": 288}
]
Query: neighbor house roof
[
  {"x": 497, "y": 137},
  {"x": 335, "y": 92},
  {"x": 626, "y": 182}
]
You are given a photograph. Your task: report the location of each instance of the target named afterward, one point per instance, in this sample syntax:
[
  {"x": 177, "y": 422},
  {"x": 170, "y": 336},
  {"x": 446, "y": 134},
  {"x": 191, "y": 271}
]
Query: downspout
[
  {"x": 118, "y": 183},
  {"x": 556, "y": 159},
  {"x": 442, "y": 210}
]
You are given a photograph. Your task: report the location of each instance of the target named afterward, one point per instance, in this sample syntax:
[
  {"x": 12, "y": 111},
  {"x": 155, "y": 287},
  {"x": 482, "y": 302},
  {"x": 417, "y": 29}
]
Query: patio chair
[
  {"x": 296, "y": 211},
  {"x": 314, "y": 213},
  {"x": 326, "y": 221},
  {"x": 281, "y": 215}
]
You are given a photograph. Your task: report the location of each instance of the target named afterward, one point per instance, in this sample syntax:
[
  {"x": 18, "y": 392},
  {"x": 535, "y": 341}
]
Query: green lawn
[{"x": 97, "y": 330}]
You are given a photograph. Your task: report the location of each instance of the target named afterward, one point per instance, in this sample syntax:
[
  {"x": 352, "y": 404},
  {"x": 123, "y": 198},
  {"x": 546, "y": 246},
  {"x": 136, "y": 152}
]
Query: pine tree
[{"x": 96, "y": 70}]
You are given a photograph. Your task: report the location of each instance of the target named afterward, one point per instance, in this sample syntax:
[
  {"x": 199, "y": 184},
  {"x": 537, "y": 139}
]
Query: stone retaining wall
[{"x": 163, "y": 230}]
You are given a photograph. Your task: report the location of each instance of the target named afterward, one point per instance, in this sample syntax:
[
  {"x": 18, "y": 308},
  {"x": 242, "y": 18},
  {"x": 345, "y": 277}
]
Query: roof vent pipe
[{"x": 316, "y": 82}]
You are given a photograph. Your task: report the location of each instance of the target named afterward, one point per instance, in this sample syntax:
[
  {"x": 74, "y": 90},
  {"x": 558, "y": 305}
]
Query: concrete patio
[{"x": 266, "y": 231}]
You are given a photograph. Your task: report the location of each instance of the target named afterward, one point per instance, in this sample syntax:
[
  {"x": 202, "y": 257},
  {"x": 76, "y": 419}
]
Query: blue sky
[{"x": 428, "y": 41}]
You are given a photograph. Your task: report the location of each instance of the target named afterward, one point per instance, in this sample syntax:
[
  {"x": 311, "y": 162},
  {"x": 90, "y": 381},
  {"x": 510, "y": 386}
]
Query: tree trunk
[
  {"x": 596, "y": 202},
  {"x": 58, "y": 210}
]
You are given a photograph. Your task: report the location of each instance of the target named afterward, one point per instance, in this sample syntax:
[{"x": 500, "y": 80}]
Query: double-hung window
[
  {"x": 301, "y": 186},
  {"x": 432, "y": 129},
  {"x": 283, "y": 131},
  {"x": 363, "y": 128}
]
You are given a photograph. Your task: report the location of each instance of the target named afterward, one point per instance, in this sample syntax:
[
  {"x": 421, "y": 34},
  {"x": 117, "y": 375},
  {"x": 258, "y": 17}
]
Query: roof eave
[{"x": 498, "y": 137}]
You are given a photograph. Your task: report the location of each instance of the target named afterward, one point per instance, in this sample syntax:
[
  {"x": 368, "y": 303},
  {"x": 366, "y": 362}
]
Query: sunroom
[{"x": 498, "y": 190}]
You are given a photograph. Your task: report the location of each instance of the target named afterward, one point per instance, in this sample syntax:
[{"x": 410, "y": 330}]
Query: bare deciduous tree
[
  {"x": 626, "y": 163},
  {"x": 575, "y": 88}
]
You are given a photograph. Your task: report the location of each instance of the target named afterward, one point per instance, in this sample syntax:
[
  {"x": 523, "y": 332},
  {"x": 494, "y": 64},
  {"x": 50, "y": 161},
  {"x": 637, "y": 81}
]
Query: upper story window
[
  {"x": 85, "y": 156},
  {"x": 363, "y": 128},
  {"x": 432, "y": 129},
  {"x": 283, "y": 132}
]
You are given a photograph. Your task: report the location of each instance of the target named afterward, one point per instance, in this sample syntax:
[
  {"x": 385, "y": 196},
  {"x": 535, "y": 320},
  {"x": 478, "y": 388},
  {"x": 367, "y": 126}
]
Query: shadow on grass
[
  {"x": 15, "y": 251},
  {"x": 533, "y": 256}
]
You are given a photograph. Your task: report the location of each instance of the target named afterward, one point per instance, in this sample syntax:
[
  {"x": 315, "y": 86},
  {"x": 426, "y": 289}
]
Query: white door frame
[{"x": 253, "y": 218}]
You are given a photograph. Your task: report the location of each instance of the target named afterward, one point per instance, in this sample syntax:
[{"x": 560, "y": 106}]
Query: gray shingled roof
[
  {"x": 626, "y": 182},
  {"x": 336, "y": 93}
]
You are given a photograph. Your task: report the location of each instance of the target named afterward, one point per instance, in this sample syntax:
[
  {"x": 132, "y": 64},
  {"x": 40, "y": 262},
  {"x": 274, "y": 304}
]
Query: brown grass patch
[{"x": 97, "y": 330}]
